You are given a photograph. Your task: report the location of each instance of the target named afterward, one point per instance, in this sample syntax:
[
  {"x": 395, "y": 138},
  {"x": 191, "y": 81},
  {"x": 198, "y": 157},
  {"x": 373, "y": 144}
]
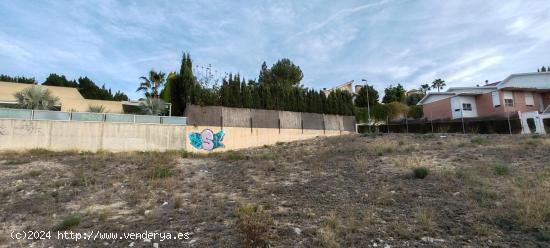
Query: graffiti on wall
[{"x": 207, "y": 140}]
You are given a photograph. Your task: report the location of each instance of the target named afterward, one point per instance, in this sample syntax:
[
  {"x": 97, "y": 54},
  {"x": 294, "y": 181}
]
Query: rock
[
  {"x": 374, "y": 245},
  {"x": 297, "y": 231},
  {"x": 146, "y": 240},
  {"x": 165, "y": 203},
  {"x": 156, "y": 245},
  {"x": 428, "y": 239},
  {"x": 387, "y": 246},
  {"x": 105, "y": 243},
  {"x": 456, "y": 193},
  {"x": 131, "y": 244},
  {"x": 147, "y": 212},
  {"x": 431, "y": 240}
]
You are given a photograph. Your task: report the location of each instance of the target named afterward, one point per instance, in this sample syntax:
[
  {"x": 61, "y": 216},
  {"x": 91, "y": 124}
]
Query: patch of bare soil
[{"x": 346, "y": 191}]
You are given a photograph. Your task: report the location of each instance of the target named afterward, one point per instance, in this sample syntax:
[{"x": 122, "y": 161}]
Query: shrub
[
  {"x": 478, "y": 141},
  {"x": 254, "y": 225},
  {"x": 161, "y": 172},
  {"x": 543, "y": 234},
  {"x": 421, "y": 172},
  {"x": 67, "y": 223},
  {"x": 34, "y": 173},
  {"x": 234, "y": 156},
  {"x": 501, "y": 170}
]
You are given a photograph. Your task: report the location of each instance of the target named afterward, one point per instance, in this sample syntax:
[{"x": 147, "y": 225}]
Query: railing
[{"x": 29, "y": 114}]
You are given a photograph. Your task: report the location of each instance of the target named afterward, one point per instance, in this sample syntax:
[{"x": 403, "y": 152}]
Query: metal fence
[{"x": 29, "y": 114}]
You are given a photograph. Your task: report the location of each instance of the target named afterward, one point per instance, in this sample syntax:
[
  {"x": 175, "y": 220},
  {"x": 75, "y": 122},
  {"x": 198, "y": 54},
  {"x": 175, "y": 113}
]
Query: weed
[
  {"x": 34, "y": 173},
  {"x": 531, "y": 204},
  {"x": 420, "y": 172},
  {"x": 478, "y": 141},
  {"x": 39, "y": 152},
  {"x": 178, "y": 202},
  {"x": 484, "y": 197},
  {"x": 506, "y": 222},
  {"x": 480, "y": 229},
  {"x": 254, "y": 225},
  {"x": 543, "y": 234},
  {"x": 67, "y": 223},
  {"x": 501, "y": 169},
  {"x": 17, "y": 161},
  {"x": 234, "y": 156},
  {"x": 424, "y": 217},
  {"x": 327, "y": 235}
]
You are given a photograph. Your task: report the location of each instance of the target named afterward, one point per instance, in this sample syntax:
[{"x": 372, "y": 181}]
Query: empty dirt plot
[{"x": 346, "y": 191}]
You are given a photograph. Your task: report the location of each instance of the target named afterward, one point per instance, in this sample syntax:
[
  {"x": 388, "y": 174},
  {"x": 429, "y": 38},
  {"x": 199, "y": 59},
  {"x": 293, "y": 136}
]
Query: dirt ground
[{"x": 346, "y": 191}]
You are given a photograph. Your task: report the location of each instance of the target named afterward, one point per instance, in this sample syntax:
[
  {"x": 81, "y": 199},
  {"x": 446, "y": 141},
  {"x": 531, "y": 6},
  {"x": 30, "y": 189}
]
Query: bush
[
  {"x": 159, "y": 172},
  {"x": 415, "y": 112},
  {"x": 254, "y": 225},
  {"x": 67, "y": 223},
  {"x": 233, "y": 156},
  {"x": 420, "y": 172},
  {"x": 501, "y": 170},
  {"x": 478, "y": 141},
  {"x": 543, "y": 234}
]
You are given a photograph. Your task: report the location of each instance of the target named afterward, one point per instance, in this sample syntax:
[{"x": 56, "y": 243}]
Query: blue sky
[{"x": 386, "y": 41}]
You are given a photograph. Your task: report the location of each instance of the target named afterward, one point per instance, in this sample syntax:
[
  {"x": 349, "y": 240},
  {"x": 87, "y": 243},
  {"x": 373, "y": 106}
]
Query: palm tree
[
  {"x": 438, "y": 84},
  {"x": 151, "y": 85},
  {"x": 152, "y": 106},
  {"x": 424, "y": 88},
  {"x": 96, "y": 109},
  {"x": 36, "y": 97}
]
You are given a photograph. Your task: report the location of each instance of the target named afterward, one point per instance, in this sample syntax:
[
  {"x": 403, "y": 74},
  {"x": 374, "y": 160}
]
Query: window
[
  {"x": 529, "y": 101},
  {"x": 509, "y": 102},
  {"x": 467, "y": 107},
  {"x": 508, "y": 99},
  {"x": 496, "y": 99}
]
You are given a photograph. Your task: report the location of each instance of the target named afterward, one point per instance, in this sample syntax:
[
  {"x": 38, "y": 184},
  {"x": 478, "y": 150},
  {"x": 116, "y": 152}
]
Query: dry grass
[{"x": 348, "y": 191}]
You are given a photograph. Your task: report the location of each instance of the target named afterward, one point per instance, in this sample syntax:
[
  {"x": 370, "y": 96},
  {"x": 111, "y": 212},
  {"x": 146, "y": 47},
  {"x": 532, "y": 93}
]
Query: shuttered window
[
  {"x": 508, "y": 98},
  {"x": 529, "y": 101},
  {"x": 496, "y": 99}
]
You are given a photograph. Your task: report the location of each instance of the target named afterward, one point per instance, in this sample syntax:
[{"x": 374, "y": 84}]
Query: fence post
[
  {"x": 32, "y": 114},
  {"x": 279, "y": 124},
  {"x": 406, "y": 124},
  {"x": 324, "y": 132},
  {"x": 302, "y": 126},
  {"x": 432, "y": 122},
  {"x": 251, "y": 126},
  {"x": 387, "y": 124},
  {"x": 509, "y": 124}
]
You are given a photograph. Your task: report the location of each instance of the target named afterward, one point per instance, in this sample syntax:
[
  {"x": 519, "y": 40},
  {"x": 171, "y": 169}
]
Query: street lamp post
[{"x": 368, "y": 104}]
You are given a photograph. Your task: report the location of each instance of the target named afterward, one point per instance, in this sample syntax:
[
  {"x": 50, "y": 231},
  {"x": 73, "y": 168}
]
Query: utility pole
[{"x": 368, "y": 104}]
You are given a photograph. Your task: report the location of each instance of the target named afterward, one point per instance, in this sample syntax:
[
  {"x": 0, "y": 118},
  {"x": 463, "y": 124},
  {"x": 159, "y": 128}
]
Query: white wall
[
  {"x": 90, "y": 136},
  {"x": 456, "y": 103}
]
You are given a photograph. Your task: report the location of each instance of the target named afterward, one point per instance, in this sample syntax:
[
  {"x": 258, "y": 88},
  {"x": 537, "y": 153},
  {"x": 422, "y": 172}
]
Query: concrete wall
[
  {"x": 240, "y": 138},
  {"x": 260, "y": 118},
  {"x": 89, "y": 136}
]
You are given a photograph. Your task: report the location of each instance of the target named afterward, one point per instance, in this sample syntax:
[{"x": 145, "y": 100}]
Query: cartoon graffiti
[{"x": 207, "y": 139}]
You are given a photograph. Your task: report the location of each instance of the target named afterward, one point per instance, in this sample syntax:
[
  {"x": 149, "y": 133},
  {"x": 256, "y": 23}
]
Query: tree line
[
  {"x": 277, "y": 88},
  {"x": 87, "y": 88}
]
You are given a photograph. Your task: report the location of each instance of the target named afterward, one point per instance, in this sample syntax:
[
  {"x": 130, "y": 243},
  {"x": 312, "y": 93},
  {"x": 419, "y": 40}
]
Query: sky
[{"x": 387, "y": 42}]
